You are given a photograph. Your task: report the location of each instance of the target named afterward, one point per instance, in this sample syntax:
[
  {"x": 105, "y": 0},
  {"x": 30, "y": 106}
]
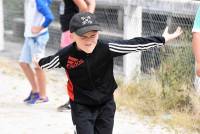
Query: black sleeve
[
  {"x": 50, "y": 62},
  {"x": 122, "y": 47}
]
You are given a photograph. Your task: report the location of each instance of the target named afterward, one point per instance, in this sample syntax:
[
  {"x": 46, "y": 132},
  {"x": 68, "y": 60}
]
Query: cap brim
[{"x": 86, "y": 29}]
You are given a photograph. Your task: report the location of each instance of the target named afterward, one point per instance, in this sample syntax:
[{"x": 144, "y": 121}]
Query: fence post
[
  {"x": 132, "y": 28},
  {"x": 1, "y": 27}
]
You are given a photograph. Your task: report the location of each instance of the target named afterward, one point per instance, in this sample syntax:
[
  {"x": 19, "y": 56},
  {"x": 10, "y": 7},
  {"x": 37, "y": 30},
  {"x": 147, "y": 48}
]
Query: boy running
[
  {"x": 88, "y": 63},
  {"x": 68, "y": 8}
]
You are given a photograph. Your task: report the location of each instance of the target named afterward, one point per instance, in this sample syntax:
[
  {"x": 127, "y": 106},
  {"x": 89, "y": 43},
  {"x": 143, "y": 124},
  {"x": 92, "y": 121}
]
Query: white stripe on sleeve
[
  {"x": 52, "y": 63},
  {"x": 126, "y": 48}
]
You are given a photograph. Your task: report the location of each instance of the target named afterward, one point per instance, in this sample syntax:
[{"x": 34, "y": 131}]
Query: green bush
[
  {"x": 176, "y": 74},
  {"x": 168, "y": 90}
]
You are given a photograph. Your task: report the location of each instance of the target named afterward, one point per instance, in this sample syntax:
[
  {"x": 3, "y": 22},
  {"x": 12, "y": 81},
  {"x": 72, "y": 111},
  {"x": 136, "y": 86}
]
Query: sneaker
[
  {"x": 42, "y": 100},
  {"x": 65, "y": 107},
  {"x": 29, "y": 97},
  {"x": 34, "y": 98}
]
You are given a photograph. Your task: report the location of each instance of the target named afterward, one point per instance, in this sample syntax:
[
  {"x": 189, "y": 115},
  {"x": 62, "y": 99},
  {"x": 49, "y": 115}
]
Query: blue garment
[
  {"x": 196, "y": 25},
  {"x": 37, "y": 13},
  {"x": 43, "y": 8},
  {"x": 34, "y": 46}
]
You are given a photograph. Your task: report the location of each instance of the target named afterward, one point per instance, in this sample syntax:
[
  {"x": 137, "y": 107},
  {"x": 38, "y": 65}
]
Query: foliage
[{"x": 169, "y": 90}]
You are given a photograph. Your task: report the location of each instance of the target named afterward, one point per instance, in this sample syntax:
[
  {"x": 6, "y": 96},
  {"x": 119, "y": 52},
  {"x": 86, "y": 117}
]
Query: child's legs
[
  {"x": 38, "y": 50},
  {"x": 66, "y": 89},
  {"x": 25, "y": 61},
  {"x": 83, "y": 118},
  {"x": 196, "y": 51},
  {"x": 93, "y": 120},
  {"x": 105, "y": 120},
  {"x": 65, "y": 39},
  {"x": 41, "y": 80},
  {"x": 29, "y": 75}
]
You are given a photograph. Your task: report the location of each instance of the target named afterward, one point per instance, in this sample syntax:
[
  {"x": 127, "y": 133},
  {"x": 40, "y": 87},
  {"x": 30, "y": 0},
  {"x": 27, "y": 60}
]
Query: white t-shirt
[{"x": 32, "y": 18}]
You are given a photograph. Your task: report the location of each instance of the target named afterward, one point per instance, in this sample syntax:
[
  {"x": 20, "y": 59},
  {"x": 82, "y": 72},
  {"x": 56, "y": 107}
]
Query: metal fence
[{"x": 155, "y": 16}]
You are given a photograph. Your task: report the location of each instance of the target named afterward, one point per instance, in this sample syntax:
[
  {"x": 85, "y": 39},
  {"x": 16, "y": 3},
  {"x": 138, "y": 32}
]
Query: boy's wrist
[{"x": 36, "y": 29}]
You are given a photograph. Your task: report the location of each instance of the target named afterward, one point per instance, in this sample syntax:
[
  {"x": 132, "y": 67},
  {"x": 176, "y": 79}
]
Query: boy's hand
[
  {"x": 198, "y": 69},
  {"x": 36, "y": 29},
  {"x": 36, "y": 60},
  {"x": 174, "y": 35}
]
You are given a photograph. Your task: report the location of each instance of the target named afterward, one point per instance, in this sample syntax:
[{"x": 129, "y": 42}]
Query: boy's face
[{"x": 87, "y": 42}]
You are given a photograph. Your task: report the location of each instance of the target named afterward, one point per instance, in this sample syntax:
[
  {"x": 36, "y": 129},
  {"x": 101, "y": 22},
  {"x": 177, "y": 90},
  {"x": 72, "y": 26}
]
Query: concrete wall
[
  {"x": 1, "y": 26},
  {"x": 132, "y": 18}
]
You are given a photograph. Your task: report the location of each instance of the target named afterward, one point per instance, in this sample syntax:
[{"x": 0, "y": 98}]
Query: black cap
[{"x": 84, "y": 22}]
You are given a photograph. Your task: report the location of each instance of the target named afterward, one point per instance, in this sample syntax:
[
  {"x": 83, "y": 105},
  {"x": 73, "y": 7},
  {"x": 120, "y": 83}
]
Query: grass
[
  {"x": 167, "y": 95},
  {"x": 178, "y": 110}
]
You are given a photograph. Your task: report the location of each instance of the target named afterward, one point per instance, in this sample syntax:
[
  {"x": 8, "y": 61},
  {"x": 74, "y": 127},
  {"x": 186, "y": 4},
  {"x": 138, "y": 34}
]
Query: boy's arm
[
  {"x": 196, "y": 50},
  {"x": 44, "y": 9},
  {"x": 196, "y": 41},
  {"x": 91, "y": 5},
  {"x": 50, "y": 62},
  {"x": 85, "y": 5},
  {"x": 122, "y": 47}
]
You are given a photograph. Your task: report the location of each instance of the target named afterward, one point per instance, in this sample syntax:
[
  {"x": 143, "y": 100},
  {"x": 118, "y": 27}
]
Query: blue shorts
[{"x": 34, "y": 46}]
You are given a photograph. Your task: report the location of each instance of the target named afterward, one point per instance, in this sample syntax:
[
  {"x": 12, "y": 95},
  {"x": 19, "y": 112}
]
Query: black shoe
[{"x": 65, "y": 107}]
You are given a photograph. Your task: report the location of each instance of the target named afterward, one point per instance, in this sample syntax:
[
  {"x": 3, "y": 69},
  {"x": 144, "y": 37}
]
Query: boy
[
  {"x": 38, "y": 16},
  {"x": 89, "y": 66},
  {"x": 67, "y": 10}
]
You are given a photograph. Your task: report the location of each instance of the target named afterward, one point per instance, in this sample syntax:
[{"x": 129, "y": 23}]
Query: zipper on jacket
[{"x": 89, "y": 72}]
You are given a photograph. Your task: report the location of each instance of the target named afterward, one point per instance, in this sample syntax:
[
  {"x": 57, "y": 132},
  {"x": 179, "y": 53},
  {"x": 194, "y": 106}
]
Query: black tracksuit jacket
[{"x": 90, "y": 76}]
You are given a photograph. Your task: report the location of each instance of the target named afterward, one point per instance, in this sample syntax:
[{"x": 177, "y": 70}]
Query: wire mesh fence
[{"x": 176, "y": 59}]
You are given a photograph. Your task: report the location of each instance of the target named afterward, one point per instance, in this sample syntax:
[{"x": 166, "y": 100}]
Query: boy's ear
[{"x": 71, "y": 36}]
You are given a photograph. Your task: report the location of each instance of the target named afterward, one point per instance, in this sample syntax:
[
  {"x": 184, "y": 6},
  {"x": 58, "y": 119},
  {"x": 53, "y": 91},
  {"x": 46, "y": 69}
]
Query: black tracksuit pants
[{"x": 93, "y": 119}]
